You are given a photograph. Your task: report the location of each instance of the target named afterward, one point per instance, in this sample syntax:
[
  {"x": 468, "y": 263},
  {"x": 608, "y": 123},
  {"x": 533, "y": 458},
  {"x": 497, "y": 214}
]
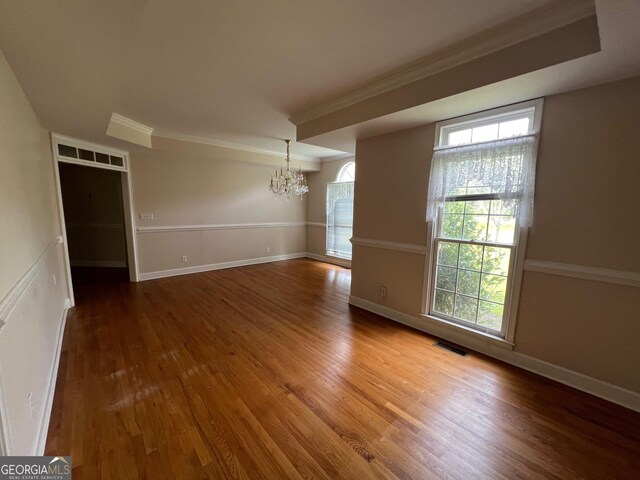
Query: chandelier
[{"x": 290, "y": 181}]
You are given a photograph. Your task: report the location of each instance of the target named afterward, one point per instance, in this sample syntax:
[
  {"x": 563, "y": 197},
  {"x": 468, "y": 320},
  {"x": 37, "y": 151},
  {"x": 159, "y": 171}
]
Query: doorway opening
[
  {"x": 94, "y": 220},
  {"x": 95, "y": 205}
]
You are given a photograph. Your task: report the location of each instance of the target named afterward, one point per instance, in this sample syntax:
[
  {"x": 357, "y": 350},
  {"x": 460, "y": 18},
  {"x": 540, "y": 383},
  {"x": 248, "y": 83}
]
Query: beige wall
[
  {"x": 588, "y": 178},
  {"x": 586, "y": 213},
  {"x": 31, "y": 302},
  {"x": 390, "y": 205},
  {"x": 29, "y": 216},
  {"x": 93, "y": 215},
  {"x": 317, "y": 204},
  {"x": 186, "y": 184}
]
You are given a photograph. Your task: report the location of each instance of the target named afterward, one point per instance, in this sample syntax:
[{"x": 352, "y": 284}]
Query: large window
[
  {"x": 340, "y": 212},
  {"x": 480, "y": 200}
]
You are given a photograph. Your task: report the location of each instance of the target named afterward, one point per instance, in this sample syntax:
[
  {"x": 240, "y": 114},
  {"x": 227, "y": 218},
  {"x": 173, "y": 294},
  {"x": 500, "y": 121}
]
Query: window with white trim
[
  {"x": 480, "y": 203},
  {"x": 340, "y": 212}
]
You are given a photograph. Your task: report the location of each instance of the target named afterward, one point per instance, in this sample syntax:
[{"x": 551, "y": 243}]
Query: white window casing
[{"x": 479, "y": 207}]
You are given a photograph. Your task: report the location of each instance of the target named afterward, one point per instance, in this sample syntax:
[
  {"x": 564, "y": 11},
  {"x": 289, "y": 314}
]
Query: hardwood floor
[{"x": 266, "y": 372}]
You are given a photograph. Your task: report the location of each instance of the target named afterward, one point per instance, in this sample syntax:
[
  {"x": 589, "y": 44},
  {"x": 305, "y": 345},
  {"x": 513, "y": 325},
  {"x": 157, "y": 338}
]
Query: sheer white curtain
[
  {"x": 505, "y": 168},
  {"x": 339, "y": 218}
]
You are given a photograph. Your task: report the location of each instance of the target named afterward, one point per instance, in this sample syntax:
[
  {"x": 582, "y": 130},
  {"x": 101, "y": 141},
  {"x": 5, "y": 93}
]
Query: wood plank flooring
[{"x": 266, "y": 372}]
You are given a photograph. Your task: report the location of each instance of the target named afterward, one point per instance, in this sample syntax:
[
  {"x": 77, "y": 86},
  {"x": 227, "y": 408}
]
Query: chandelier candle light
[{"x": 290, "y": 181}]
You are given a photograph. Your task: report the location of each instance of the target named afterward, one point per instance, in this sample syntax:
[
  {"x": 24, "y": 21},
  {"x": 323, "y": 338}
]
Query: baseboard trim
[
  {"x": 43, "y": 429},
  {"x": 327, "y": 259},
  {"x": 218, "y": 266},
  {"x": 579, "y": 381}
]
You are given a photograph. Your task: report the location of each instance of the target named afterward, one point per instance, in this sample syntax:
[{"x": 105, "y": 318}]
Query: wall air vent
[{"x": 451, "y": 348}]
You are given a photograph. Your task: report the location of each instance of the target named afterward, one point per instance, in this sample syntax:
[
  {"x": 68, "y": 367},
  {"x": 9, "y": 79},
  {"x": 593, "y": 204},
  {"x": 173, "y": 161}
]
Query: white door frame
[{"x": 127, "y": 197}]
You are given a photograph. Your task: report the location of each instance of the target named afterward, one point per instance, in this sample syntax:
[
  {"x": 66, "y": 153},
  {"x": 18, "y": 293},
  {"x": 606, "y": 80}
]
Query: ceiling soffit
[{"x": 541, "y": 38}]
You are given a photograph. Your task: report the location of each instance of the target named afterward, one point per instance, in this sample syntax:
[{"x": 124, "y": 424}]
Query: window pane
[
  {"x": 496, "y": 260},
  {"x": 493, "y": 287},
  {"x": 503, "y": 207},
  {"x": 478, "y": 207},
  {"x": 460, "y": 137},
  {"x": 466, "y": 308},
  {"x": 340, "y": 228},
  {"x": 468, "y": 282},
  {"x": 490, "y": 315},
  {"x": 452, "y": 226},
  {"x": 443, "y": 303},
  {"x": 502, "y": 229},
  {"x": 102, "y": 158},
  {"x": 475, "y": 228},
  {"x": 448, "y": 254},
  {"x": 67, "y": 151},
  {"x": 470, "y": 257},
  {"x": 348, "y": 173},
  {"x": 507, "y": 230},
  {"x": 485, "y": 133},
  {"x": 86, "y": 154},
  {"x": 514, "y": 127},
  {"x": 118, "y": 161},
  {"x": 446, "y": 278},
  {"x": 454, "y": 207}
]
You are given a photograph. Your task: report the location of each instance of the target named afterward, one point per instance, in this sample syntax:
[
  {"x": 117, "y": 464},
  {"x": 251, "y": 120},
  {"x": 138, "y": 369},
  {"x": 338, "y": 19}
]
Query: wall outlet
[
  {"x": 268, "y": 249},
  {"x": 145, "y": 216},
  {"x": 382, "y": 291},
  {"x": 30, "y": 405},
  {"x": 183, "y": 259}
]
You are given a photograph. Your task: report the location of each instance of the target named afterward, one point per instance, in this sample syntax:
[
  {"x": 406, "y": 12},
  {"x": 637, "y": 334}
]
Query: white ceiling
[{"x": 234, "y": 71}]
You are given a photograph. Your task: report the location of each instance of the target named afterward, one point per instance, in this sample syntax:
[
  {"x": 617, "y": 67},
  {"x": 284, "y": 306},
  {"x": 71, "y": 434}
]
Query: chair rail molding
[
  {"x": 11, "y": 299},
  {"x": 596, "y": 274},
  {"x": 229, "y": 226},
  {"x": 387, "y": 245}
]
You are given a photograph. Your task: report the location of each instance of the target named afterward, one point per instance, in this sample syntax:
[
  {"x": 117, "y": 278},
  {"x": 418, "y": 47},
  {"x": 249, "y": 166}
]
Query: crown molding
[
  {"x": 336, "y": 158},
  {"x": 132, "y": 124},
  {"x": 524, "y": 27},
  {"x": 231, "y": 145}
]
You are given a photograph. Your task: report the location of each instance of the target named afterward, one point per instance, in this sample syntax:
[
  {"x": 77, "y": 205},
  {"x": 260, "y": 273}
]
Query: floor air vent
[{"x": 458, "y": 351}]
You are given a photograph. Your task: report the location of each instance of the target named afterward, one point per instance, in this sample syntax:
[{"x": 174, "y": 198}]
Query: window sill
[{"x": 451, "y": 330}]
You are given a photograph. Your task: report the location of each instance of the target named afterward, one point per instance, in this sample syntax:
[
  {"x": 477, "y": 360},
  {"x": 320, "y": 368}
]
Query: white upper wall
[{"x": 29, "y": 219}]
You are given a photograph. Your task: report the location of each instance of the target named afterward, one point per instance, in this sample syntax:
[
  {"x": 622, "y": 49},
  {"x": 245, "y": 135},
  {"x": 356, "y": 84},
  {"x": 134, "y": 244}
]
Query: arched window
[
  {"x": 340, "y": 212},
  {"x": 347, "y": 173}
]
